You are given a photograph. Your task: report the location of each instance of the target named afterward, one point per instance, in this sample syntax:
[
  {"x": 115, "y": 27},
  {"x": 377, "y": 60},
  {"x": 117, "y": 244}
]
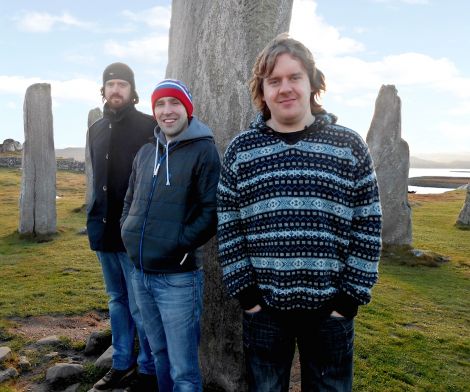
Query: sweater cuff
[
  {"x": 345, "y": 305},
  {"x": 249, "y": 297}
]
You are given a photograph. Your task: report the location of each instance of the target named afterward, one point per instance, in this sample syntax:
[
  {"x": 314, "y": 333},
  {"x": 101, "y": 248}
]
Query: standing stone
[
  {"x": 391, "y": 157},
  {"x": 213, "y": 46},
  {"x": 93, "y": 116},
  {"x": 38, "y": 183},
  {"x": 464, "y": 216}
]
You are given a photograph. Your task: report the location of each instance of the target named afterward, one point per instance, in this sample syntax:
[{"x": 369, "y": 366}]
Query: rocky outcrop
[
  {"x": 64, "y": 367},
  {"x": 464, "y": 216},
  {"x": 10, "y": 145},
  {"x": 391, "y": 157},
  {"x": 38, "y": 183},
  {"x": 213, "y": 46}
]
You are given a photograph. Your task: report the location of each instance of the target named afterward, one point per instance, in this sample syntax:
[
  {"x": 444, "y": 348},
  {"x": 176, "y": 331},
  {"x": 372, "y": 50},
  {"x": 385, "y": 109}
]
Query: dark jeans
[{"x": 325, "y": 351}]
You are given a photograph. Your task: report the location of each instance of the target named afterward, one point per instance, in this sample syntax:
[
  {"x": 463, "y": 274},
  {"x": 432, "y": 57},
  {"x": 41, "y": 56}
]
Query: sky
[{"x": 420, "y": 46}]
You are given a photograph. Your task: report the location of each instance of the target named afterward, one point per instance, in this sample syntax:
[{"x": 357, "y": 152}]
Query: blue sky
[{"x": 420, "y": 46}]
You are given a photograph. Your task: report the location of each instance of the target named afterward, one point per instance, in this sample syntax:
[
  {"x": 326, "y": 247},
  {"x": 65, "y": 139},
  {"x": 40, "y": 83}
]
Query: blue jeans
[
  {"x": 171, "y": 305},
  {"x": 124, "y": 314},
  {"x": 325, "y": 351}
]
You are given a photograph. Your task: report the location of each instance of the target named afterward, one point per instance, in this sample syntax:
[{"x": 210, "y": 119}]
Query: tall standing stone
[
  {"x": 464, "y": 216},
  {"x": 38, "y": 183},
  {"x": 391, "y": 157},
  {"x": 93, "y": 116},
  {"x": 213, "y": 46}
]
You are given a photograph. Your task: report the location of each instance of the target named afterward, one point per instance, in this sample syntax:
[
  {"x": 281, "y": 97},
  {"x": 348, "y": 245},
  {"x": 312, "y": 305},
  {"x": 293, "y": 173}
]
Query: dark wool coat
[{"x": 113, "y": 141}]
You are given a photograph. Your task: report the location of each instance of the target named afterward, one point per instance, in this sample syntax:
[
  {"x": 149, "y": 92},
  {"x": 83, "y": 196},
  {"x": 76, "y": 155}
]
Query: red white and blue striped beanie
[{"x": 173, "y": 88}]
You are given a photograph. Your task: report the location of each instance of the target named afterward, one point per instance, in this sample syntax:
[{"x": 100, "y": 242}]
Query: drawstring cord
[
  {"x": 157, "y": 164},
  {"x": 167, "y": 170}
]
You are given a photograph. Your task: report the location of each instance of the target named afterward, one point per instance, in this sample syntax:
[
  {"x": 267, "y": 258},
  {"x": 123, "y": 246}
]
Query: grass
[{"x": 412, "y": 337}]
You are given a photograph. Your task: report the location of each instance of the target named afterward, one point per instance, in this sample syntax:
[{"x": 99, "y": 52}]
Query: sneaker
[
  {"x": 143, "y": 383},
  {"x": 115, "y": 379}
]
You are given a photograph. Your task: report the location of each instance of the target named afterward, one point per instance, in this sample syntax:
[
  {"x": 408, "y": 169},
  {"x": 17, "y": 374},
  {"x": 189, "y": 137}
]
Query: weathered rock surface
[
  {"x": 106, "y": 359},
  {"x": 93, "y": 116},
  {"x": 5, "y": 353},
  {"x": 38, "y": 184},
  {"x": 213, "y": 46},
  {"x": 52, "y": 340},
  {"x": 8, "y": 374},
  {"x": 10, "y": 145},
  {"x": 98, "y": 342},
  {"x": 392, "y": 162},
  {"x": 63, "y": 371},
  {"x": 464, "y": 216},
  {"x": 24, "y": 363}
]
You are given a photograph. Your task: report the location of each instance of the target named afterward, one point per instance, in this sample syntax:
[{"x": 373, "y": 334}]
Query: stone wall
[{"x": 62, "y": 164}]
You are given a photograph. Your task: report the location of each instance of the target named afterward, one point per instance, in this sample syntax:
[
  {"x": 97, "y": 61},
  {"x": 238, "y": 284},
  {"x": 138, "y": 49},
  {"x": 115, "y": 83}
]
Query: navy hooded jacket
[{"x": 170, "y": 205}]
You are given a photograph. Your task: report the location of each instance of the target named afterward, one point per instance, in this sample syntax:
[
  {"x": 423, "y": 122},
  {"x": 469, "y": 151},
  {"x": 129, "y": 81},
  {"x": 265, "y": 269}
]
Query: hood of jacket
[
  {"x": 196, "y": 130},
  {"x": 322, "y": 119}
]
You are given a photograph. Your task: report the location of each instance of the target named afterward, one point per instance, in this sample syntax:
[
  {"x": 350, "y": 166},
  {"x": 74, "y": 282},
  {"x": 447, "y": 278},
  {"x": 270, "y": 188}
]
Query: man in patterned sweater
[{"x": 299, "y": 227}]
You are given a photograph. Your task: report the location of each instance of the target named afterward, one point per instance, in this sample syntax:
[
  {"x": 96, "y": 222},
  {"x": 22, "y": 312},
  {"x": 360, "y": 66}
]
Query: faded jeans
[
  {"x": 124, "y": 314},
  {"x": 325, "y": 351},
  {"x": 171, "y": 305}
]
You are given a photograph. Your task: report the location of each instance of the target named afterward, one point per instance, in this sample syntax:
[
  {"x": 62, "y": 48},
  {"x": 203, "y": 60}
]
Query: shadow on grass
[{"x": 407, "y": 255}]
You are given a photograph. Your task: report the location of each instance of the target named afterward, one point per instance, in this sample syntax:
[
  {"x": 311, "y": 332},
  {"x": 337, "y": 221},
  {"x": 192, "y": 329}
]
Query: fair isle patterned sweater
[{"x": 299, "y": 224}]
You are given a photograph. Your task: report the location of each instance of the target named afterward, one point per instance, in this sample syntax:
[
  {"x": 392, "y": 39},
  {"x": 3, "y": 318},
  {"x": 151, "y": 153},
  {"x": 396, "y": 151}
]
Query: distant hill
[
  {"x": 419, "y": 163},
  {"x": 77, "y": 153}
]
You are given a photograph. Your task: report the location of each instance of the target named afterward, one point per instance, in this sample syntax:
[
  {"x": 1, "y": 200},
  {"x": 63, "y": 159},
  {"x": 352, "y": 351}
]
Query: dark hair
[{"x": 266, "y": 61}]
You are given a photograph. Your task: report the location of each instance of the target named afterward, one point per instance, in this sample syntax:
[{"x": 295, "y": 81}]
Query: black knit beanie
[{"x": 119, "y": 71}]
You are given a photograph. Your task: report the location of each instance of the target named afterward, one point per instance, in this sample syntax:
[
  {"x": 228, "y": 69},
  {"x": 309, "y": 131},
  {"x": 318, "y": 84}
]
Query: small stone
[
  {"x": 24, "y": 363},
  {"x": 51, "y": 355},
  {"x": 106, "y": 359},
  {"x": 49, "y": 340},
  {"x": 8, "y": 374},
  {"x": 5, "y": 353},
  {"x": 63, "y": 371}
]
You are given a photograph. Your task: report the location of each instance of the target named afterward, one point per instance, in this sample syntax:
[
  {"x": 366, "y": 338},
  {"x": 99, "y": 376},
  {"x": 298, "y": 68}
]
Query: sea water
[{"x": 414, "y": 172}]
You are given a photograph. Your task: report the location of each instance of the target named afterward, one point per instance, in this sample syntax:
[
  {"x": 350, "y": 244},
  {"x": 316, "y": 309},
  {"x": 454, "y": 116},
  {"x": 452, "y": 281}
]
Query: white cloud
[
  {"x": 320, "y": 37},
  {"x": 78, "y": 89},
  {"x": 78, "y": 58},
  {"x": 42, "y": 22},
  {"x": 353, "y": 80},
  {"x": 152, "y": 49},
  {"x": 12, "y": 105},
  {"x": 156, "y": 17}
]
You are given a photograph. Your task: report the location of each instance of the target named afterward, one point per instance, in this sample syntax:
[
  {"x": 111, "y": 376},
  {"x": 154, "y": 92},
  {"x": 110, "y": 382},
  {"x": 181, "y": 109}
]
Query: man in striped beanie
[{"x": 169, "y": 212}]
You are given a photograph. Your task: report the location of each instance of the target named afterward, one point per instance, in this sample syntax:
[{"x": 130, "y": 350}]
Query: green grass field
[{"x": 414, "y": 336}]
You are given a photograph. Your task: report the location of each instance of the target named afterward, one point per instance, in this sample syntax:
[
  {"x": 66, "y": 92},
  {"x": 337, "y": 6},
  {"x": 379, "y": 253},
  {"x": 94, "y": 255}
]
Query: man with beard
[{"x": 114, "y": 141}]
